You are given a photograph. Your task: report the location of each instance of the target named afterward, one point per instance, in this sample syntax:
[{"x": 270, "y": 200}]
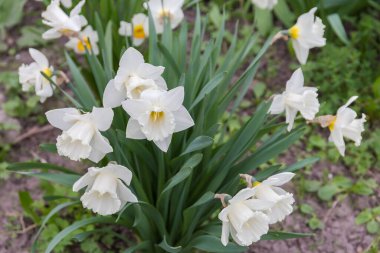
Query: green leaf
[
  {"x": 76, "y": 225},
  {"x": 312, "y": 185},
  {"x": 315, "y": 223},
  {"x": 373, "y": 227},
  {"x": 26, "y": 202},
  {"x": 184, "y": 172},
  {"x": 36, "y": 165},
  {"x": 263, "y": 20},
  {"x": 327, "y": 192},
  {"x": 306, "y": 209},
  {"x": 197, "y": 144},
  {"x": 31, "y": 36},
  {"x": 49, "y": 147},
  {"x": 282, "y": 11},
  {"x": 283, "y": 235},
  {"x": 141, "y": 246},
  {"x": 363, "y": 217},
  {"x": 165, "y": 246},
  {"x": 337, "y": 26},
  {"x": 211, "y": 243},
  {"x": 301, "y": 164},
  {"x": 64, "y": 179}
]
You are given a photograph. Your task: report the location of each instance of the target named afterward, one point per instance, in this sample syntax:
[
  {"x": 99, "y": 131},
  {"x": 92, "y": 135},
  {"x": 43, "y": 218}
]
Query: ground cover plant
[{"x": 177, "y": 99}]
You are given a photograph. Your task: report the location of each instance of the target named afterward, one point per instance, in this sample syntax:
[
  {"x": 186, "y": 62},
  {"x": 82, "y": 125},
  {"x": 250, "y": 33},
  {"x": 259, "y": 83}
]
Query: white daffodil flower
[
  {"x": 30, "y": 75},
  {"x": 265, "y": 4},
  {"x": 132, "y": 78},
  {"x": 138, "y": 29},
  {"x": 268, "y": 190},
  {"x": 106, "y": 192},
  {"x": 165, "y": 9},
  {"x": 345, "y": 124},
  {"x": 307, "y": 33},
  {"x": 88, "y": 38},
  {"x": 296, "y": 98},
  {"x": 243, "y": 218},
  {"x": 81, "y": 137},
  {"x": 60, "y": 22},
  {"x": 157, "y": 115}
]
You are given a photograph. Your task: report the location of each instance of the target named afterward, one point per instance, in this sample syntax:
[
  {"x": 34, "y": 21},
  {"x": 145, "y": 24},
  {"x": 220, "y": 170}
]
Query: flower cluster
[
  {"x": 161, "y": 11},
  {"x": 249, "y": 213},
  {"x": 71, "y": 27}
]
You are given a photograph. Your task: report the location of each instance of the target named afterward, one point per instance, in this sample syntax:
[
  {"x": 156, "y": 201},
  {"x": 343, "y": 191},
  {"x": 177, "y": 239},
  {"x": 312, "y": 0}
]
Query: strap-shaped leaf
[
  {"x": 337, "y": 26},
  {"x": 36, "y": 165},
  {"x": 64, "y": 179},
  {"x": 211, "y": 243},
  {"x": 301, "y": 164},
  {"x": 283, "y": 235},
  {"x": 197, "y": 144},
  {"x": 142, "y": 245},
  {"x": 165, "y": 246}
]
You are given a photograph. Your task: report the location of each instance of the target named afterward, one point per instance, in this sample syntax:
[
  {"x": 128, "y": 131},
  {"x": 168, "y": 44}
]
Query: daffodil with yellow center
[
  {"x": 137, "y": 29},
  {"x": 86, "y": 40},
  {"x": 294, "y": 32},
  {"x": 48, "y": 72},
  {"x": 83, "y": 44}
]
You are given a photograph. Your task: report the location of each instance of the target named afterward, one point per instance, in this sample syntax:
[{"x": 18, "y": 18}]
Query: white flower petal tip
[
  {"x": 60, "y": 23},
  {"x": 30, "y": 76},
  {"x": 306, "y": 34},
  {"x": 165, "y": 9},
  {"x": 346, "y": 125},
  {"x": 81, "y": 138},
  {"x": 296, "y": 98},
  {"x": 87, "y": 40},
  {"x": 133, "y": 77},
  {"x": 242, "y": 220},
  {"x": 138, "y": 29},
  {"x": 265, "y": 4},
  {"x": 106, "y": 192},
  {"x": 157, "y": 115}
]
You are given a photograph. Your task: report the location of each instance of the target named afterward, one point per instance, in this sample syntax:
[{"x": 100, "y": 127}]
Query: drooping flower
[
  {"x": 60, "y": 22},
  {"x": 346, "y": 124},
  {"x": 30, "y": 75},
  {"x": 157, "y": 115},
  {"x": 87, "y": 39},
  {"x": 138, "y": 29},
  {"x": 106, "y": 192},
  {"x": 307, "y": 33},
  {"x": 165, "y": 9},
  {"x": 133, "y": 77},
  {"x": 282, "y": 201},
  {"x": 243, "y": 218},
  {"x": 81, "y": 137},
  {"x": 265, "y": 4},
  {"x": 296, "y": 98}
]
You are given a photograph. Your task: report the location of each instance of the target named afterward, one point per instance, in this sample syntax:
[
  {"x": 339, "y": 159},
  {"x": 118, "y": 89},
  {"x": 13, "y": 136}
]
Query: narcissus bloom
[
  {"x": 157, "y": 115},
  {"x": 60, "y": 22},
  {"x": 296, "y": 98},
  {"x": 243, "y": 218},
  {"x": 268, "y": 190},
  {"x": 165, "y": 9},
  {"x": 30, "y": 75},
  {"x": 88, "y": 38},
  {"x": 307, "y": 33},
  {"x": 265, "y": 4},
  {"x": 81, "y": 137},
  {"x": 138, "y": 29},
  {"x": 106, "y": 192},
  {"x": 133, "y": 77},
  {"x": 345, "y": 124}
]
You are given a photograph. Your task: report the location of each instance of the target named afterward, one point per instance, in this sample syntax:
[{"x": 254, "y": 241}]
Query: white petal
[
  {"x": 125, "y": 194},
  {"x": 136, "y": 107},
  {"x": 134, "y": 130},
  {"x": 278, "y": 105},
  {"x": 243, "y": 194},
  {"x": 102, "y": 118},
  {"x": 164, "y": 144},
  {"x": 296, "y": 81},
  {"x": 51, "y": 34},
  {"x": 85, "y": 180},
  {"x": 130, "y": 60},
  {"x": 57, "y": 117},
  {"x": 302, "y": 53},
  {"x": 225, "y": 233},
  {"x": 173, "y": 99},
  {"x": 290, "y": 117},
  {"x": 125, "y": 28},
  {"x": 350, "y": 101},
  {"x": 279, "y": 179},
  {"x": 120, "y": 172},
  {"x": 336, "y": 137},
  {"x": 258, "y": 204},
  {"x": 113, "y": 97},
  {"x": 78, "y": 8},
  {"x": 39, "y": 57},
  {"x": 100, "y": 147},
  {"x": 139, "y": 19},
  {"x": 148, "y": 71},
  {"x": 183, "y": 119}
]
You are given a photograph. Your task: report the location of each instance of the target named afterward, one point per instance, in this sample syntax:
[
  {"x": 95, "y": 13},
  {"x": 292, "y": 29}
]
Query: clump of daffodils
[{"x": 247, "y": 215}]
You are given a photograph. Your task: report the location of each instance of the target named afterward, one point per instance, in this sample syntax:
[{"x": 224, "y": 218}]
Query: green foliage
[
  {"x": 10, "y": 15},
  {"x": 314, "y": 222},
  {"x": 370, "y": 217}
]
